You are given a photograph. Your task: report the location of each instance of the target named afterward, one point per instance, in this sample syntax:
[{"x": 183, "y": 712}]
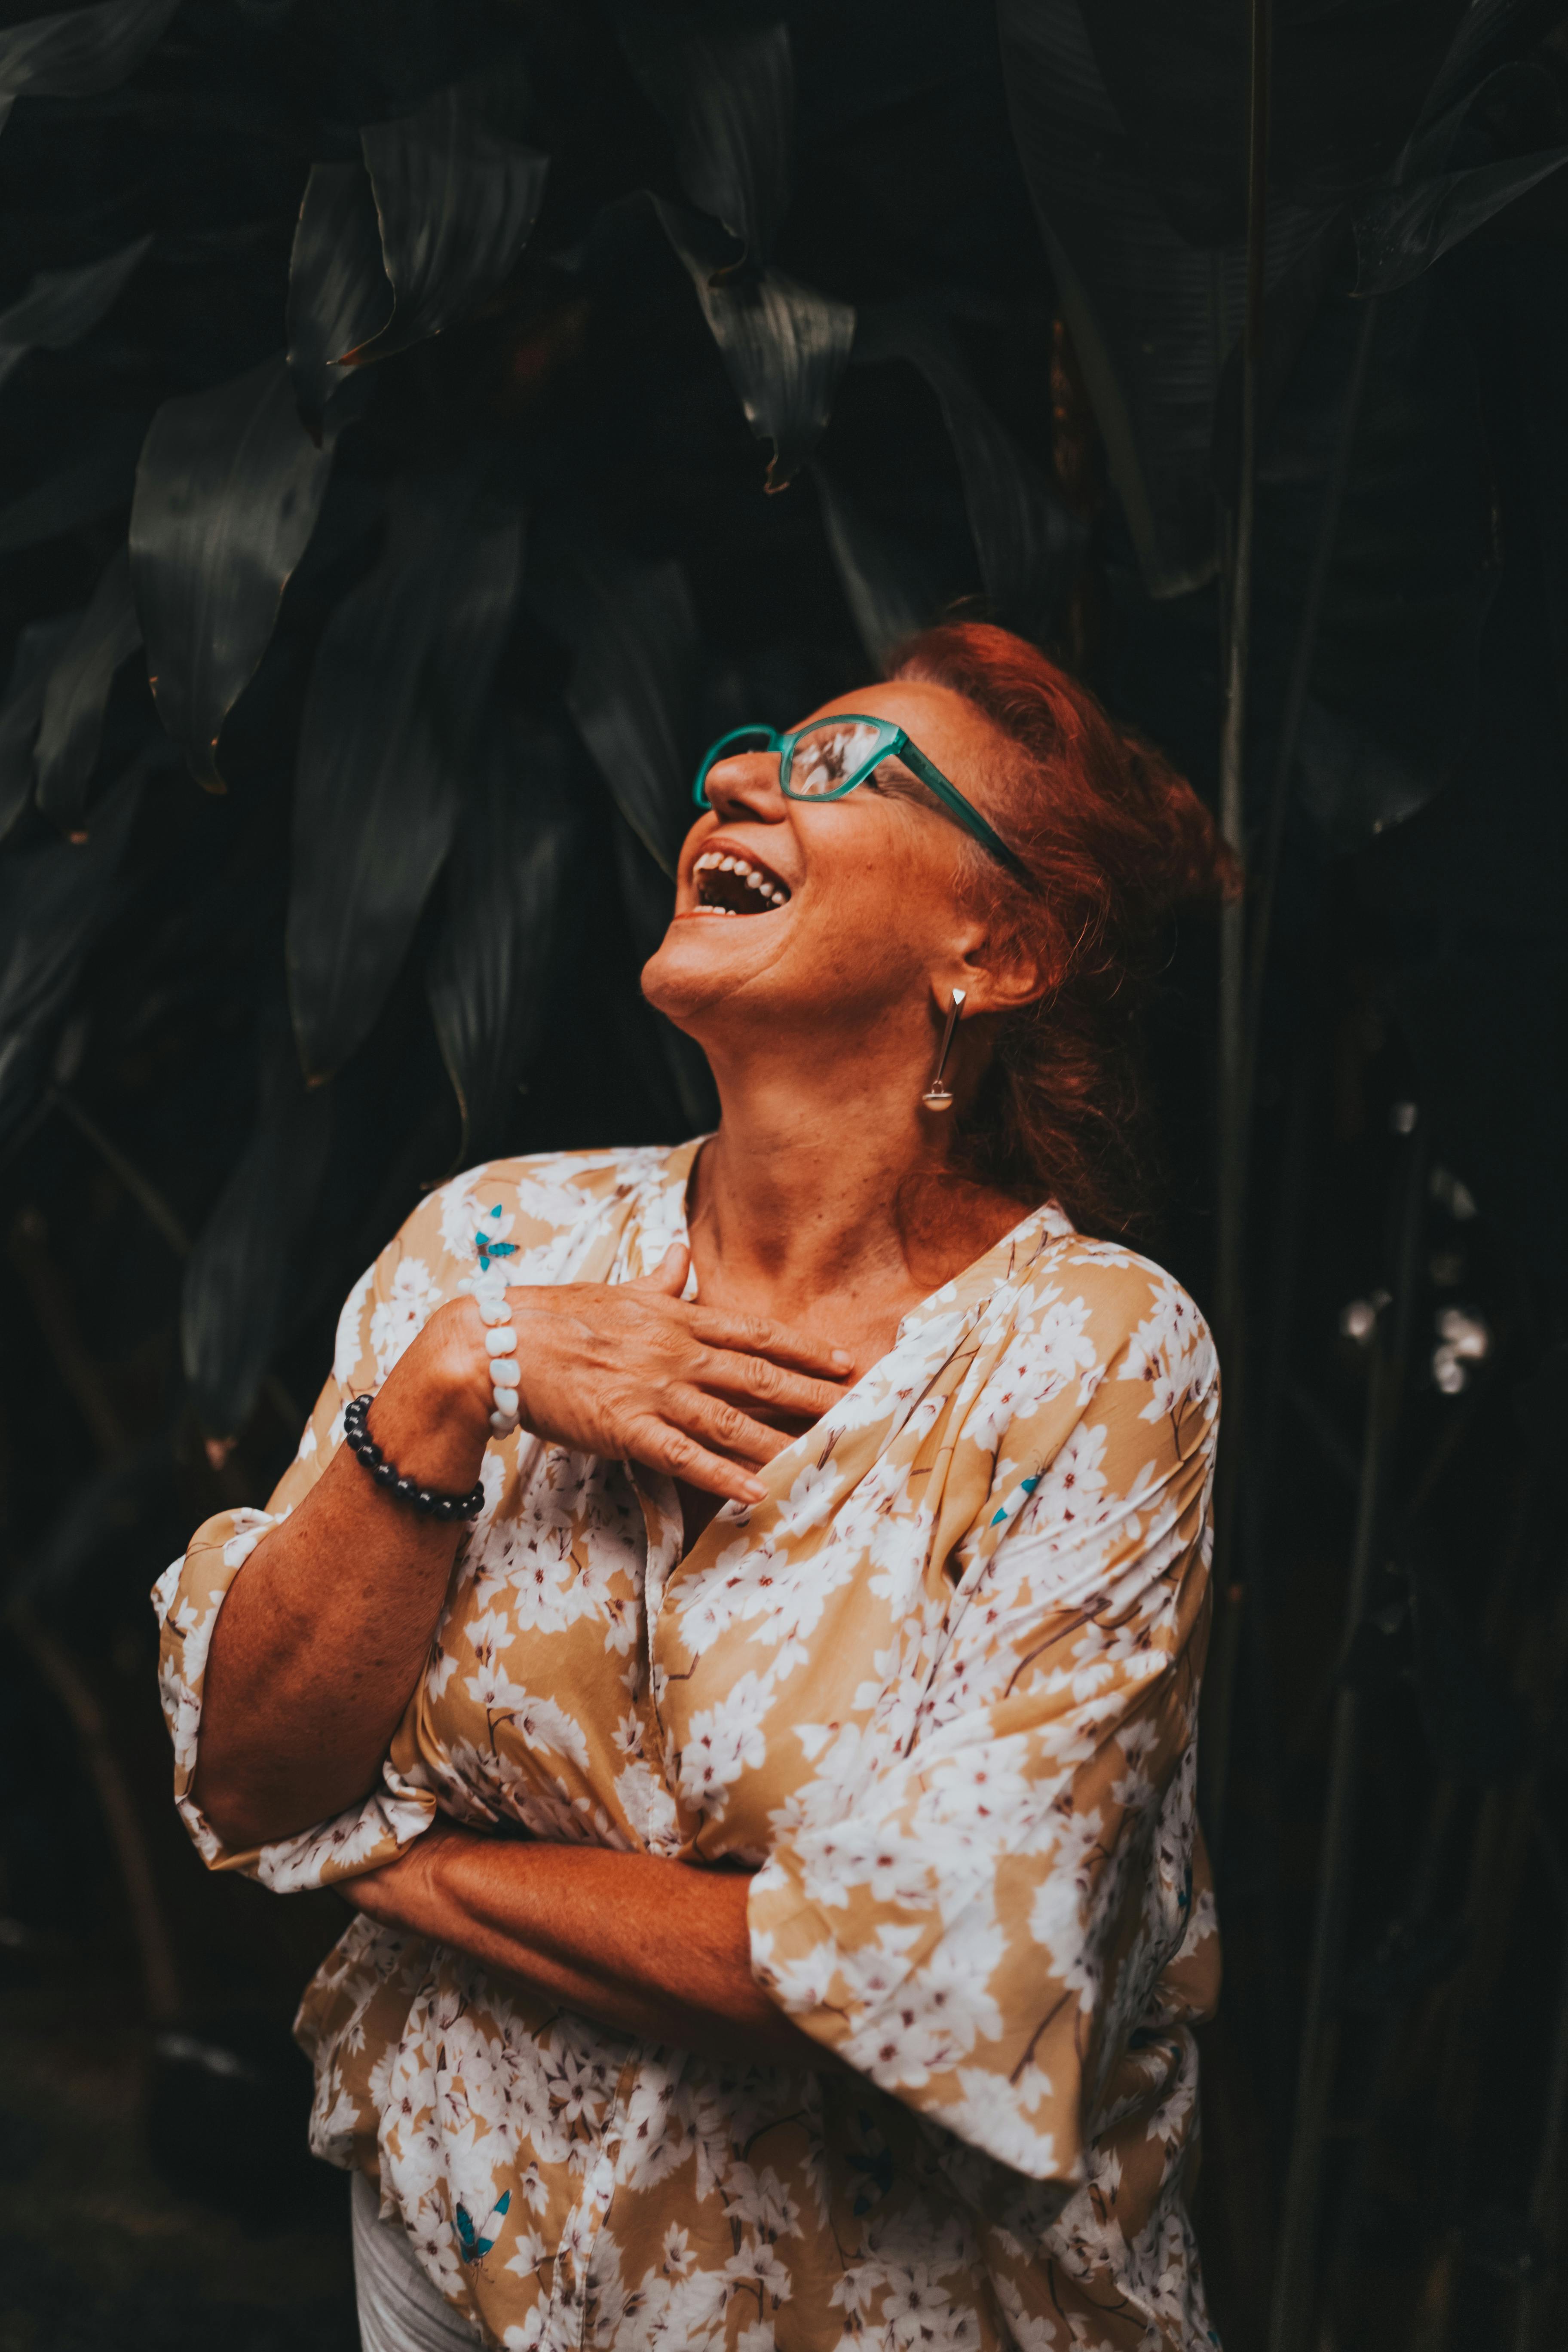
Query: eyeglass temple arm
[{"x": 953, "y": 801}]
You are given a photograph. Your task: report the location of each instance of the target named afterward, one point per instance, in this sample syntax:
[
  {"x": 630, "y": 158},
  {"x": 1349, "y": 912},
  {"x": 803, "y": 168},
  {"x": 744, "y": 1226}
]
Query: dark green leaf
[
  {"x": 338, "y": 291},
  {"x": 1346, "y": 86},
  {"x": 785, "y": 345},
  {"x": 100, "y": 480},
  {"x": 1350, "y": 785},
  {"x": 60, "y": 306},
  {"x": 237, "y": 1275},
  {"x": 37, "y": 649},
  {"x": 455, "y": 205},
  {"x": 633, "y": 627},
  {"x": 227, "y": 493},
  {"x": 726, "y": 89},
  {"x": 1152, "y": 316},
  {"x": 883, "y": 583},
  {"x": 1404, "y": 230},
  {"x": 1026, "y": 542},
  {"x": 1487, "y": 31},
  {"x": 1396, "y": 679},
  {"x": 78, "y": 695},
  {"x": 499, "y": 925},
  {"x": 77, "y": 52},
  {"x": 52, "y": 903},
  {"x": 397, "y": 699}
]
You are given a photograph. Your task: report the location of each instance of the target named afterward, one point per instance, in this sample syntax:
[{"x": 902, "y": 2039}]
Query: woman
[{"x": 782, "y": 1916}]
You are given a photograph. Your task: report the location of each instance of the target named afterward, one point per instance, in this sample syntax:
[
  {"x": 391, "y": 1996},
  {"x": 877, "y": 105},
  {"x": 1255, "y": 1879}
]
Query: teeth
[{"x": 716, "y": 861}]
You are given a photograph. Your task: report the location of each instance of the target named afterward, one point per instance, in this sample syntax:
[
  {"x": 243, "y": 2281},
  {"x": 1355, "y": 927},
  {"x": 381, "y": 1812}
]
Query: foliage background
[{"x": 343, "y": 753}]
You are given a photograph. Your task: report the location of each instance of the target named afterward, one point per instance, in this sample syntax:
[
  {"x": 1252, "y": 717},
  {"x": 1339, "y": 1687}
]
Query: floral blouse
[{"x": 939, "y": 1692}]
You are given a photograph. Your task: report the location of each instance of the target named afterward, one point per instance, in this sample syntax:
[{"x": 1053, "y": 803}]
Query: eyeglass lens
[{"x": 826, "y": 757}]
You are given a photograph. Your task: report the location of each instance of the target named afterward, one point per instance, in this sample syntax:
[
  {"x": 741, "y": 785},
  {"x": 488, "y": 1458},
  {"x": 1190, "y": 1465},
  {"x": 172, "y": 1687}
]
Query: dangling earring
[{"x": 937, "y": 1097}]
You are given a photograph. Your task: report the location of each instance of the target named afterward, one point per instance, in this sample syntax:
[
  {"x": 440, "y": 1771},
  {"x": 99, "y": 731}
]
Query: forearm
[
  {"x": 657, "y": 1950},
  {"x": 326, "y": 1629}
]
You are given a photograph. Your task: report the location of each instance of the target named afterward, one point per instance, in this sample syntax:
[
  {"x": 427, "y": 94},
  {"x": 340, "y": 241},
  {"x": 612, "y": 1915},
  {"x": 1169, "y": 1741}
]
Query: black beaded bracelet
[{"x": 428, "y": 1499}]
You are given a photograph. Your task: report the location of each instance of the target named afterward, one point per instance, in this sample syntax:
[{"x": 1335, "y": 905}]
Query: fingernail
[
  {"x": 755, "y": 1491},
  {"x": 843, "y": 1358}
]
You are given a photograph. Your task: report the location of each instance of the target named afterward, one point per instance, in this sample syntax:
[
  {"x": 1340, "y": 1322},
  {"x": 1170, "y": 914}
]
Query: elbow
[{"x": 234, "y": 1818}]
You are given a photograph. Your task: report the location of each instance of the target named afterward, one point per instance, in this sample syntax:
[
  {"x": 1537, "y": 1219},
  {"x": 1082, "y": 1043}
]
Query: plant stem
[{"x": 1234, "y": 1111}]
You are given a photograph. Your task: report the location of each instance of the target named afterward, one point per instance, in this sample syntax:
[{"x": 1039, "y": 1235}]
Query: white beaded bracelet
[{"x": 490, "y": 1295}]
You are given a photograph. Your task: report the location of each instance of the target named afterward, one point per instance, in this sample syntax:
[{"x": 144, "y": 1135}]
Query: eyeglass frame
[{"x": 893, "y": 743}]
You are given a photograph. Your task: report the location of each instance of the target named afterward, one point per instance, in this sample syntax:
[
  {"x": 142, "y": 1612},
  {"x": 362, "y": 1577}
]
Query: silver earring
[{"x": 937, "y": 1097}]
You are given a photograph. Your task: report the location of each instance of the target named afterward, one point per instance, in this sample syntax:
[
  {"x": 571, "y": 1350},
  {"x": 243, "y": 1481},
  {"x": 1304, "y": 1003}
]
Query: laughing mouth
[{"x": 727, "y": 885}]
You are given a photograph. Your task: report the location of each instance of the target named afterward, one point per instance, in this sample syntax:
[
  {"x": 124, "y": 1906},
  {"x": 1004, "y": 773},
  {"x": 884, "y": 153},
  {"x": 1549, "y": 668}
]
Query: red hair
[{"x": 1114, "y": 842}]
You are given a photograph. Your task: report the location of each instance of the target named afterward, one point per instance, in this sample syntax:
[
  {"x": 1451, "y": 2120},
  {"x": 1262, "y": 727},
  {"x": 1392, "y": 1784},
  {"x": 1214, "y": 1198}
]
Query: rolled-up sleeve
[
  {"x": 385, "y": 1309},
  {"x": 983, "y": 1928}
]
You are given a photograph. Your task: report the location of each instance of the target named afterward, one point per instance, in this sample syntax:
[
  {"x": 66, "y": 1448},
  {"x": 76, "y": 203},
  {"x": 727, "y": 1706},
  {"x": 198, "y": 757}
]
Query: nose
[{"x": 746, "y": 784}]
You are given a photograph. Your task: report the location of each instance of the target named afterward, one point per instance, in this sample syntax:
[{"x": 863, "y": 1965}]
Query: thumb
[{"x": 669, "y": 1275}]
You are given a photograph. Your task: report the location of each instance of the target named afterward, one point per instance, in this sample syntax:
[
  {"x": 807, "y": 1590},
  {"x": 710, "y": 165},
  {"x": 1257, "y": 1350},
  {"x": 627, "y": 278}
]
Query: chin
[{"x": 701, "y": 966}]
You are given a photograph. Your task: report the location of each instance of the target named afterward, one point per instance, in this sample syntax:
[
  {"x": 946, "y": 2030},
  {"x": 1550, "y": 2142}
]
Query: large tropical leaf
[
  {"x": 78, "y": 695},
  {"x": 228, "y": 492},
  {"x": 1026, "y": 543},
  {"x": 236, "y": 1275},
  {"x": 396, "y": 699},
  {"x": 1144, "y": 224},
  {"x": 52, "y": 901},
  {"x": 37, "y": 649},
  {"x": 338, "y": 291},
  {"x": 1152, "y": 316},
  {"x": 502, "y": 922},
  {"x": 77, "y": 52},
  {"x": 60, "y": 306},
  {"x": 1346, "y": 86},
  {"x": 785, "y": 345},
  {"x": 726, "y": 91},
  {"x": 455, "y": 203},
  {"x": 633, "y": 627},
  {"x": 1406, "y": 229},
  {"x": 889, "y": 592}
]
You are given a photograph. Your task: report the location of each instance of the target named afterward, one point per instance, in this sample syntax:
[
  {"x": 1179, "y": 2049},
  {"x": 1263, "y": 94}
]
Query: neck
[{"x": 798, "y": 1195}]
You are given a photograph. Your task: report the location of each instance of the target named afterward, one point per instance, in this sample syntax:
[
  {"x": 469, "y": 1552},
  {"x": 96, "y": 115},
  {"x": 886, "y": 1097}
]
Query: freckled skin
[{"x": 821, "y": 1019}]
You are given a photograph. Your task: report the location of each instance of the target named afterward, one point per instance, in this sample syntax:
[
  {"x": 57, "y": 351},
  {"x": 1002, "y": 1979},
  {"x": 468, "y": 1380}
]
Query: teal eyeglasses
[{"x": 829, "y": 758}]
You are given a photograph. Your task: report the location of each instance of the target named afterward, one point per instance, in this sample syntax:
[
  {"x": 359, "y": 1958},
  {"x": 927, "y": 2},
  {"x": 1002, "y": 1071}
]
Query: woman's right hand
[{"x": 632, "y": 1371}]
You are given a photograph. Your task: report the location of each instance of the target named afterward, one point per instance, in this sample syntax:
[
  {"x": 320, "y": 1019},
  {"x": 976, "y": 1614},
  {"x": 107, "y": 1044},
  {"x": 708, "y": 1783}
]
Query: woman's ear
[{"x": 1003, "y": 984}]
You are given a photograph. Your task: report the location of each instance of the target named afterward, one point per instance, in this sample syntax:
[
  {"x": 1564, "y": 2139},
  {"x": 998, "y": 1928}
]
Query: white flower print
[
  {"x": 396, "y": 1320},
  {"x": 938, "y": 1689}
]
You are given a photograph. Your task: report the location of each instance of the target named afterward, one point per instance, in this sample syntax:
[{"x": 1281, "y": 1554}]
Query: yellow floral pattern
[{"x": 939, "y": 1692}]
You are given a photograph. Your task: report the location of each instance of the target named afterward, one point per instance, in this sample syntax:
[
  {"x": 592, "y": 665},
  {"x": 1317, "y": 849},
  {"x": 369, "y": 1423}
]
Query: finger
[
  {"x": 722, "y": 1425},
  {"x": 668, "y": 1276},
  {"x": 769, "y": 1383},
  {"x": 757, "y": 1336},
  {"x": 656, "y": 1447}
]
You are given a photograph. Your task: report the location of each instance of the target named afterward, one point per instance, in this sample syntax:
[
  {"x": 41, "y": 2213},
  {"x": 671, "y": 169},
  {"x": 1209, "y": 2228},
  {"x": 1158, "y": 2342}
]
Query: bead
[
  {"x": 405, "y": 1489},
  {"x": 502, "y": 1342},
  {"x": 385, "y": 1475},
  {"x": 503, "y": 1372},
  {"x": 424, "y": 1500},
  {"x": 503, "y": 1423},
  {"x": 506, "y": 1400},
  {"x": 494, "y": 1310}
]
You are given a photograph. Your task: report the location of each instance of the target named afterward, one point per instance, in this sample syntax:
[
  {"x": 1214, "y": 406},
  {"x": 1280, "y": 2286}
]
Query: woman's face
[{"x": 846, "y": 908}]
